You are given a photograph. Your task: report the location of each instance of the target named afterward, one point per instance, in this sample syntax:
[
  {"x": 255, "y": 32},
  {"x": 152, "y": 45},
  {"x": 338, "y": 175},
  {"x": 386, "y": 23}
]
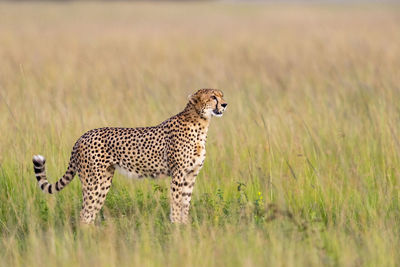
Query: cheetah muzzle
[{"x": 174, "y": 148}]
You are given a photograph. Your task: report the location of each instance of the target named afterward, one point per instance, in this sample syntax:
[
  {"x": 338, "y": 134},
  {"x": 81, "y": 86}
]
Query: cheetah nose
[{"x": 224, "y": 105}]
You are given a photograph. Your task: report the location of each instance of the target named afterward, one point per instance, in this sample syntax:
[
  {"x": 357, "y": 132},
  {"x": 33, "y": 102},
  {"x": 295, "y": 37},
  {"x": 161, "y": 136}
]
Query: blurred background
[{"x": 302, "y": 169}]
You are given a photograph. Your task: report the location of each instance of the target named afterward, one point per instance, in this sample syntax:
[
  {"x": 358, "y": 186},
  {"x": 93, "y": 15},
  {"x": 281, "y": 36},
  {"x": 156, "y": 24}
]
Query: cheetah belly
[
  {"x": 132, "y": 174},
  {"x": 127, "y": 173}
]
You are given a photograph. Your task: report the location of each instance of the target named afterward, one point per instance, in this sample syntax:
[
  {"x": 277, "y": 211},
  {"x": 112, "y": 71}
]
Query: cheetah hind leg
[{"x": 94, "y": 196}]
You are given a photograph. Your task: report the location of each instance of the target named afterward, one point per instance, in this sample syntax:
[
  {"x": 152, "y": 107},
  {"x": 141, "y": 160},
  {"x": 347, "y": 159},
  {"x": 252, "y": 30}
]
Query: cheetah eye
[{"x": 214, "y": 97}]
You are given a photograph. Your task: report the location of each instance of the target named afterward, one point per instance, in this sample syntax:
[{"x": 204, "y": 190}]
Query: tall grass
[{"x": 302, "y": 170}]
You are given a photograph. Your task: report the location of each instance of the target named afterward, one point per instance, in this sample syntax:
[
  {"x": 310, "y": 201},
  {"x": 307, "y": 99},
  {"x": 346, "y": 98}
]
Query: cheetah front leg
[
  {"x": 176, "y": 197},
  {"x": 187, "y": 189}
]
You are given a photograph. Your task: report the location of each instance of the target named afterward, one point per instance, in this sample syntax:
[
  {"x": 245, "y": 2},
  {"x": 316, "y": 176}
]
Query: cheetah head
[{"x": 208, "y": 102}]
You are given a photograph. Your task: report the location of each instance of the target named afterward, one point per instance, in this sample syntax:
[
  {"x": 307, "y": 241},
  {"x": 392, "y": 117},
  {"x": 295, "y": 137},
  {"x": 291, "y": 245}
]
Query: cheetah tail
[{"x": 40, "y": 173}]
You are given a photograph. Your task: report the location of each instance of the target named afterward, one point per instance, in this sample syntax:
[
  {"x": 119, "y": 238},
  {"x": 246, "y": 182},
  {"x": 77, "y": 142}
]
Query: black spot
[
  {"x": 37, "y": 163},
  {"x": 43, "y": 185}
]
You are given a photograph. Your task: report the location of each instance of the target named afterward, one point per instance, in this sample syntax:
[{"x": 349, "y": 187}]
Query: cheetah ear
[{"x": 193, "y": 99}]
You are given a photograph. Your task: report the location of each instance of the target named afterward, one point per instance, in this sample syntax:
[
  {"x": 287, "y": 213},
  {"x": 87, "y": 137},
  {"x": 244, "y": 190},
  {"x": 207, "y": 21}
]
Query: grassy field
[{"x": 302, "y": 170}]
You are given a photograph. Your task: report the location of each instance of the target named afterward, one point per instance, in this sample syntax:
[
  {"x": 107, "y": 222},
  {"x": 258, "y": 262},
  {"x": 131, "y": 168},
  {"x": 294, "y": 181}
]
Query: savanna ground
[{"x": 302, "y": 170}]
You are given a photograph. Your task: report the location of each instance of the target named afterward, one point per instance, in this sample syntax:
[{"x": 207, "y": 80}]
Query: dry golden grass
[{"x": 312, "y": 128}]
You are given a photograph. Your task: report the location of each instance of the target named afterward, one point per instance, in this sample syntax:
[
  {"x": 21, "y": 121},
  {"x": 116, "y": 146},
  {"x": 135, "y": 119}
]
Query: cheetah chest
[{"x": 200, "y": 153}]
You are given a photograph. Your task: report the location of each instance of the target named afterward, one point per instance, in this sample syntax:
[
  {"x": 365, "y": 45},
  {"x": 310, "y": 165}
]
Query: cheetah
[{"x": 174, "y": 148}]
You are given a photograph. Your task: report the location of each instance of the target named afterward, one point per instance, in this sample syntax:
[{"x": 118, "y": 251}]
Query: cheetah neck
[{"x": 192, "y": 116}]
